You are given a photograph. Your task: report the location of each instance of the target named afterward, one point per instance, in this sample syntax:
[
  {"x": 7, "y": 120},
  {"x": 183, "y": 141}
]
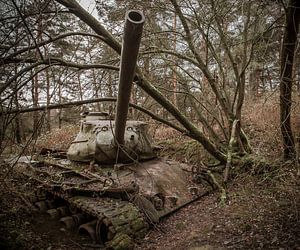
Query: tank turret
[{"x": 107, "y": 140}]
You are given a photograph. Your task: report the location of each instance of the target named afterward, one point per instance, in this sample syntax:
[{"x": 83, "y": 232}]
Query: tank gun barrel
[{"x": 134, "y": 21}]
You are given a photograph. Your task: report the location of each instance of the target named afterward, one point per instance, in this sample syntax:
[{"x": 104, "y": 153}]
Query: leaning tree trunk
[
  {"x": 144, "y": 83},
  {"x": 286, "y": 76}
]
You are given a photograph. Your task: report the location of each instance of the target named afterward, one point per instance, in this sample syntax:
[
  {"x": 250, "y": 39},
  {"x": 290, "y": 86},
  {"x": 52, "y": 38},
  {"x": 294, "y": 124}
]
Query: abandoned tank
[{"x": 110, "y": 183}]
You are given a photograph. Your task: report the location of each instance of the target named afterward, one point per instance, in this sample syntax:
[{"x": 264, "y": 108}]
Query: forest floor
[{"x": 262, "y": 212}]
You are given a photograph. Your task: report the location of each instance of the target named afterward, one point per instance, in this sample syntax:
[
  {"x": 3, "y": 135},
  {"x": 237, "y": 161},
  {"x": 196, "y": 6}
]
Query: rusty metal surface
[
  {"x": 166, "y": 184},
  {"x": 122, "y": 199}
]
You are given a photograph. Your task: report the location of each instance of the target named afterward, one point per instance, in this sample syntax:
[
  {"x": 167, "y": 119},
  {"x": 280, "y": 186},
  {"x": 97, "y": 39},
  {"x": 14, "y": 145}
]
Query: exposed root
[{"x": 223, "y": 194}]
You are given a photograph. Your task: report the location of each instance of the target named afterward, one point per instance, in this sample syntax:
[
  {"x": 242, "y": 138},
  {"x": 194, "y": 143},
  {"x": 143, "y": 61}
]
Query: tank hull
[{"x": 121, "y": 202}]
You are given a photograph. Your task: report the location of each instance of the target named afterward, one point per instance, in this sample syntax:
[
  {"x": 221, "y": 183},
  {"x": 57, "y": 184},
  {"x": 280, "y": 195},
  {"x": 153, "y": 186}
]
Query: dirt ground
[
  {"x": 262, "y": 212},
  {"x": 257, "y": 216}
]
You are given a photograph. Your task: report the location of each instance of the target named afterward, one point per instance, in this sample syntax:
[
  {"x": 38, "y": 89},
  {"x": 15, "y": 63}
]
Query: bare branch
[
  {"x": 143, "y": 82},
  {"x": 25, "y": 23},
  {"x": 104, "y": 99},
  {"x": 171, "y": 52},
  {"x": 53, "y": 39},
  {"x": 59, "y": 61},
  {"x": 202, "y": 65},
  {"x": 82, "y": 14},
  {"x": 20, "y": 73}
]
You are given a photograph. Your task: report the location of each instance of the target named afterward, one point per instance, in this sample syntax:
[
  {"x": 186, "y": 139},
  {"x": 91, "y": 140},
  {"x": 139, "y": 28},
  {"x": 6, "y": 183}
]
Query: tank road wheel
[
  {"x": 68, "y": 222},
  {"x": 118, "y": 222},
  {"x": 89, "y": 228}
]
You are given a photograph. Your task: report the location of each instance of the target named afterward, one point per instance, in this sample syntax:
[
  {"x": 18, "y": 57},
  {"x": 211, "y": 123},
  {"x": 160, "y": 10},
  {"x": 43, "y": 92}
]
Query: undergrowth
[
  {"x": 263, "y": 208},
  {"x": 58, "y": 138},
  {"x": 261, "y": 121}
]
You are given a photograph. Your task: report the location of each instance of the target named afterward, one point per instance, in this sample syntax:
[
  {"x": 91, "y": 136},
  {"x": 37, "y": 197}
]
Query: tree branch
[
  {"x": 143, "y": 82},
  {"x": 21, "y": 72},
  {"x": 171, "y": 52},
  {"x": 59, "y": 61},
  {"x": 53, "y": 39},
  {"x": 26, "y": 25},
  {"x": 83, "y": 15},
  {"x": 225, "y": 44},
  {"x": 104, "y": 99},
  {"x": 202, "y": 65}
]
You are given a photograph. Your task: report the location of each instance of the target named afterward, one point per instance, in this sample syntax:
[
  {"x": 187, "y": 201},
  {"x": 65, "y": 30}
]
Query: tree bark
[
  {"x": 17, "y": 120},
  {"x": 286, "y": 77},
  {"x": 35, "y": 101},
  {"x": 59, "y": 100},
  {"x": 48, "y": 101}
]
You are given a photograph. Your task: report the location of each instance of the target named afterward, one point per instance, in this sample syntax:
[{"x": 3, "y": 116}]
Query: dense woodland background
[
  {"x": 218, "y": 81},
  {"x": 202, "y": 66}
]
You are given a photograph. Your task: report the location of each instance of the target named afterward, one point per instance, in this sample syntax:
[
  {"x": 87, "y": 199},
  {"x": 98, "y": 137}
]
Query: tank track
[
  {"x": 114, "y": 222},
  {"x": 119, "y": 217}
]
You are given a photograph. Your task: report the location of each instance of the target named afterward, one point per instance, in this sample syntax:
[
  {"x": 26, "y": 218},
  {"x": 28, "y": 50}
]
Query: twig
[
  {"x": 27, "y": 202},
  {"x": 77, "y": 244}
]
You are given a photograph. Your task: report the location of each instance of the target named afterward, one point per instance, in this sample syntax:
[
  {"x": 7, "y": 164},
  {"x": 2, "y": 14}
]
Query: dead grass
[
  {"x": 58, "y": 138},
  {"x": 261, "y": 121},
  {"x": 262, "y": 213}
]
